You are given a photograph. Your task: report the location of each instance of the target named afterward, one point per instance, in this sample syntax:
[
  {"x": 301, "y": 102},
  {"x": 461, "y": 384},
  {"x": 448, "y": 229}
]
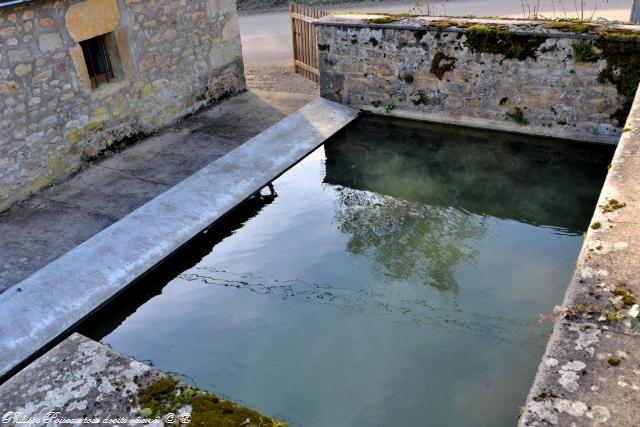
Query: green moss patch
[
  {"x": 613, "y": 361},
  {"x": 168, "y": 395},
  {"x": 498, "y": 39},
  {"x": 442, "y": 64},
  {"x": 381, "y": 20},
  {"x": 625, "y": 295},
  {"x": 583, "y": 51},
  {"x": 612, "y": 205},
  {"x": 622, "y": 53},
  {"x": 517, "y": 115},
  {"x": 569, "y": 26}
]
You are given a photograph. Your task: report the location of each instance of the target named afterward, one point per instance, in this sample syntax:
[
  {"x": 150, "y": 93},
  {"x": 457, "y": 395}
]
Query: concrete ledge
[
  {"x": 590, "y": 373},
  {"x": 47, "y": 304}
]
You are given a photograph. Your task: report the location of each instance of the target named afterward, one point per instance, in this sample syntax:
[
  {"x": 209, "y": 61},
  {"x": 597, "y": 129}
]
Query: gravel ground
[{"x": 278, "y": 78}]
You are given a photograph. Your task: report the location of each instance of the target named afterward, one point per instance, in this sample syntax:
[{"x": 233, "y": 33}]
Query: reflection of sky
[{"x": 282, "y": 317}]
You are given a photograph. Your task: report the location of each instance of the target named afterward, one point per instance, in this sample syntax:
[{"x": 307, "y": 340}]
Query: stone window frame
[{"x": 93, "y": 18}]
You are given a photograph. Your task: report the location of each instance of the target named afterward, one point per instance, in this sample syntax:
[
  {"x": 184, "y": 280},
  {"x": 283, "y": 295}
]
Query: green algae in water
[{"x": 396, "y": 279}]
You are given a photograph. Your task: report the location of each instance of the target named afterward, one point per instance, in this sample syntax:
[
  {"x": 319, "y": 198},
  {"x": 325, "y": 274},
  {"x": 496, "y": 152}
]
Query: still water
[{"x": 396, "y": 279}]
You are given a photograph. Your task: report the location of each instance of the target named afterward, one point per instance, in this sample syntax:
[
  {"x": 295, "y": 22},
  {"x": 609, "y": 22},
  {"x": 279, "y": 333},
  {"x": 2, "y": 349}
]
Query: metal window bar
[
  {"x": 97, "y": 60},
  {"x": 105, "y": 58}
]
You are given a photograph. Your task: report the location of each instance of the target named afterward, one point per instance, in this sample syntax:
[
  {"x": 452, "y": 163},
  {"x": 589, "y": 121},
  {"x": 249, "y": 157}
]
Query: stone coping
[
  {"x": 590, "y": 372},
  {"x": 81, "y": 379},
  {"x": 436, "y": 23},
  {"x": 50, "y": 302}
]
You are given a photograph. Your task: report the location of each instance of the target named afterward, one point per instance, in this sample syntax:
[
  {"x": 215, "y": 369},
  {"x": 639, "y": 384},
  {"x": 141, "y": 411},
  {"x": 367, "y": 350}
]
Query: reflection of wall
[
  {"x": 480, "y": 75},
  {"x": 169, "y": 58},
  {"x": 489, "y": 173}
]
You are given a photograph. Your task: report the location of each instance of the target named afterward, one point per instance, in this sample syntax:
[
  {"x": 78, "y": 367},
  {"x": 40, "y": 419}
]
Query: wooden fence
[{"x": 305, "y": 45}]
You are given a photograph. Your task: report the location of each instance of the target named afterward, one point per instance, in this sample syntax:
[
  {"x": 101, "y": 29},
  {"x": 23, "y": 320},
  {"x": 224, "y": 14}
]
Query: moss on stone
[
  {"x": 382, "y": 20},
  {"x": 612, "y": 205},
  {"x": 420, "y": 98},
  {"x": 571, "y": 26},
  {"x": 324, "y": 47},
  {"x": 596, "y": 225},
  {"x": 408, "y": 78},
  {"x": 622, "y": 53},
  {"x": 442, "y": 64},
  {"x": 498, "y": 39},
  {"x": 517, "y": 115},
  {"x": 625, "y": 296},
  {"x": 168, "y": 395},
  {"x": 583, "y": 51},
  {"x": 442, "y": 24}
]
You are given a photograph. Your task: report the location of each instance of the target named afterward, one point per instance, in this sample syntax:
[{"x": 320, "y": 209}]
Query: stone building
[{"x": 79, "y": 75}]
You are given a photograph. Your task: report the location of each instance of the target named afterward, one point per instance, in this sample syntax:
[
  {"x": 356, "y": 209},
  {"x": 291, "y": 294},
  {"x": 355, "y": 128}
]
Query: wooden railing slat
[{"x": 304, "y": 42}]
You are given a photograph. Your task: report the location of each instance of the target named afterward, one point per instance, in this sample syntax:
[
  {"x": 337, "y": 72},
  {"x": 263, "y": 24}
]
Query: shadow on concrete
[{"x": 43, "y": 228}]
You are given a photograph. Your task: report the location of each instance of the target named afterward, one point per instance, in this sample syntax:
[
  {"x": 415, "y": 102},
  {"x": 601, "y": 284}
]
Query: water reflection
[
  {"x": 409, "y": 241},
  {"x": 508, "y": 176},
  {"x": 399, "y": 273}
]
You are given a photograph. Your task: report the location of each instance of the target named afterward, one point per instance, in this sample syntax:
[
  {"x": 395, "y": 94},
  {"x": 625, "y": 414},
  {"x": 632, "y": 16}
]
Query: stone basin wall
[
  {"x": 561, "y": 79},
  {"x": 169, "y": 58}
]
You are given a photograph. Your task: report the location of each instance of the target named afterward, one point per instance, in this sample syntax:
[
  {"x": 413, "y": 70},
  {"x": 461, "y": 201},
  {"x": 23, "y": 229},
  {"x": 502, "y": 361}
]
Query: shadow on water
[
  {"x": 539, "y": 181},
  {"x": 108, "y": 318}
]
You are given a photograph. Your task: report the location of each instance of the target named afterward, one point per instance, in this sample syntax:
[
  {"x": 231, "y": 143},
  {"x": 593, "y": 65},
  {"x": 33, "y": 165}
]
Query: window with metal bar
[{"x": 97, "y": 60}]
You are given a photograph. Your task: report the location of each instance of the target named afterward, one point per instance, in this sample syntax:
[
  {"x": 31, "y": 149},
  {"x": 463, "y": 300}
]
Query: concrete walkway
[
  {"x": 59, "y": 296},
  {"x": 53, "y": 222}
]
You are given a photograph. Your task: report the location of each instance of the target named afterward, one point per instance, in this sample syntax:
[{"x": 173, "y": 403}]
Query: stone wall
[
  {"x": 562, "y": 79},
  {"x": 590, "y": 372},
  {"x": 169, "y": 58}
]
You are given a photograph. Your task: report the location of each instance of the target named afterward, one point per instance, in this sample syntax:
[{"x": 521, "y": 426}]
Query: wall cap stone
[
  {"x": 590, "y": 372},
  {"x": 552, "y": 28}
]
